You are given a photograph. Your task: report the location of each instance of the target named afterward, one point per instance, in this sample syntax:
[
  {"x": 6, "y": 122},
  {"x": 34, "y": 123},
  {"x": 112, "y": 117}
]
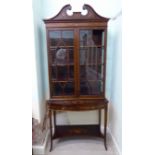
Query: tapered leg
[
  {"x": 99, "y": 117},
  {"x": 51, "y": 132},
  {"x": 54, "y": 116},
  {"x": 105, "y": 125}
]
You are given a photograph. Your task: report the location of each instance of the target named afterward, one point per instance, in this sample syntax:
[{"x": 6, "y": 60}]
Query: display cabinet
[{"x": 77, "y": 69}]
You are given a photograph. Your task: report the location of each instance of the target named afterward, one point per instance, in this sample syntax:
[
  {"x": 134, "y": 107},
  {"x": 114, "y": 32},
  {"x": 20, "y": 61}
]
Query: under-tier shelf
[{"x": 77, "y": 130}]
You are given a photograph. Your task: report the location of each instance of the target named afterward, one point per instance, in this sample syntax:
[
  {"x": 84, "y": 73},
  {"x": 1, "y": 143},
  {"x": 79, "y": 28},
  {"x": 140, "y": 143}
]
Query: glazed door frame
[
  {"x": 104, "y": 29},
  {"x": 76, "y": 47},
  {"x": 49, "y": 65}
]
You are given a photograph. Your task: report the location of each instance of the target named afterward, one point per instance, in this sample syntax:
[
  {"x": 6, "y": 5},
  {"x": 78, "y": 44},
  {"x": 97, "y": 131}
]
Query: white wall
[
  {"x": 39, "y": 81},
  {"x": 114, "y": 80},
  {"x": 35, "y": 95},
  {"x": 109, "y": 8}
]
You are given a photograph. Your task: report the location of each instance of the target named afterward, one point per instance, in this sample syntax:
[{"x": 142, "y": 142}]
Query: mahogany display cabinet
[{"x": 77, "y": 69}]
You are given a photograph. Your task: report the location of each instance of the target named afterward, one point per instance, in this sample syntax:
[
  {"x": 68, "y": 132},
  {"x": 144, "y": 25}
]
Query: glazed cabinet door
[
  {"x": 91, "y": 63},
  {"x": 61, "y": 62}
]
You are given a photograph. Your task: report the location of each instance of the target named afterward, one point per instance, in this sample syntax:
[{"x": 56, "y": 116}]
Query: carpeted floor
[{"x": 81, "y": 146}]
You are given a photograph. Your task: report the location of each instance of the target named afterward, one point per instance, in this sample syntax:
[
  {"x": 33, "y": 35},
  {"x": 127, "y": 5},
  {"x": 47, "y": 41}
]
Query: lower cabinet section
[{"x": 77, "y": 130}]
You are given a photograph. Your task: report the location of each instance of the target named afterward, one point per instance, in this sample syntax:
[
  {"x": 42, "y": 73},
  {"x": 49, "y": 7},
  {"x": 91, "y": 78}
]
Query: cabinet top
[{"x": 62, "y": 16}]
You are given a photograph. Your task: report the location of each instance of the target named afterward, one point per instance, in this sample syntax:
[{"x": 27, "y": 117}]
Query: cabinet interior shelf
[
  {"x": 96, "y": 46},
  {"x": 56, "y": 47}
]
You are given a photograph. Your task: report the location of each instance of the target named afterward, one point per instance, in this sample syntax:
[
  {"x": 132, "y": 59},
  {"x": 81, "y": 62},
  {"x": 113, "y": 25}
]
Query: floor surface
[{"x": 81, "y": 146}]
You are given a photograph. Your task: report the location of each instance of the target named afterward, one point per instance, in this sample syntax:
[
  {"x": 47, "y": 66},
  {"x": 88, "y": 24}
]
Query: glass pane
[
  {"x": 61, "y": 38},
  {"x": 91, "y": 72},
  {"x": 61, "y": 47},
  {"x": 69, "y": 88},
  {"x": 91, "y": 61},
  {"x": 62, "y": 73},
  {"x": 71, "y": 56},
  {"x": 91, "y": 88},
  {"x": 68, "y": 37},
  {"x": 55, "y": 36},
  {"x": 91, "y": 55},
  {"x": 84, "y": 88},
  {"x": 100, "y": 72},
  {"x": 54, "y": 73},
  {"x": 57, "y": 89},
  {"x": 63, "y": 88},
  {"x": 61, "y": 61},
  {"x": 91, "y": 46},
  {"x": 71, "y": 72},
  {"x": 83, "y": 74},
  {"x": 91, "y": 37}
]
